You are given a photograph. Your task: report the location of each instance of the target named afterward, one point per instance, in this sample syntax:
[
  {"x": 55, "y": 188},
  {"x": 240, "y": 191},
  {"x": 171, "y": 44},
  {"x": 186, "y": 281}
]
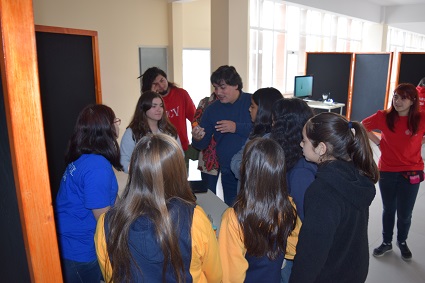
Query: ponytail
[
  {"x": 361, "y": 152},
  {"x": 345, "y": 140}
]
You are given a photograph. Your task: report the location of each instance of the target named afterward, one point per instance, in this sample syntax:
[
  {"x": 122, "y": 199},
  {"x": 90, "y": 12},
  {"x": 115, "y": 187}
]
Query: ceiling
[{"x": 396, "y": 2}]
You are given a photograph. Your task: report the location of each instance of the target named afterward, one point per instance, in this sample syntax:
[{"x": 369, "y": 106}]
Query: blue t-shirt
[{"x": 88, "y": 183}]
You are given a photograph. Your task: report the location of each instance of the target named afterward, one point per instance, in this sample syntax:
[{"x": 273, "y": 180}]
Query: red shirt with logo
[
  {"x": 180, "y": 107},
  {"x": 400, "y": 151}
]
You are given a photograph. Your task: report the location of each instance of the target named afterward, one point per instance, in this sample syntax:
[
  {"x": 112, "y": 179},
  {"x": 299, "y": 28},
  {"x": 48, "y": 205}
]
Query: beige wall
[{"x": 123, "y": 27}]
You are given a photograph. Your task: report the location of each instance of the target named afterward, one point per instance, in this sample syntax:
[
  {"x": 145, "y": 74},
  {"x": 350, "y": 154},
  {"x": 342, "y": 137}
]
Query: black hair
[
  {"x": 265, "y": 98},
  {"x": 290, "y": 116},
  {"x": 344, "y": 140},
  {"x": 150, "y": 75},
  {"x": 262, "y": 206},
  {"x": 227, "y": 74}
]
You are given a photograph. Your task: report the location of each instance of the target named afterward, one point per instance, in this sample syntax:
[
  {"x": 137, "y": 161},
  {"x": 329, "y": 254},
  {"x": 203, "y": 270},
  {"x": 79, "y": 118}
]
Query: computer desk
[{"x": 326, "y": 106}]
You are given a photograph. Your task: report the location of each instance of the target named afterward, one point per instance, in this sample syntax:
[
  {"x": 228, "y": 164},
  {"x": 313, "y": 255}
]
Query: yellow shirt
[
  {"x": 232, "y": 248},
  {"x": 205, "y": 265}
]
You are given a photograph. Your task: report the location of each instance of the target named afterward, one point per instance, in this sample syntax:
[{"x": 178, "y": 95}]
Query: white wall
[
  {"x": 354, "y": 8},
  {"x": 408, "y": 17}
]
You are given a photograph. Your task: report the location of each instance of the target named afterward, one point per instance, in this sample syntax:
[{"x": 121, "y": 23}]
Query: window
[
  {"x": 196, "y": 77},
  {"x": 281, "y": 33},
  {"x": 196, "y": 73},
  {"x": 400, "y": 40}
]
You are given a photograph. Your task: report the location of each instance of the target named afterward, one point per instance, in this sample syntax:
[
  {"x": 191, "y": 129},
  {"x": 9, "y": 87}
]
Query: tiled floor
[{"x": 390, "y": 268}]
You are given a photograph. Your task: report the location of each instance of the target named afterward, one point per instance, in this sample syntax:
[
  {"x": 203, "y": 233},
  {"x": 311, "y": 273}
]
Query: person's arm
[
  {"x": 101, "y": 250},
  {"x": 243, "y": 128},
  {"x": 232, "y": 248},
  {"x": 316, "y": 235},
  {"x": 99, "y": 211},
  {"x": 235, "y": 163},
  {"x": 370, "y": 123},
  {"x": 205, "y": 265},
  {"x": 202, "y": 134},
  {"x": 100, "y": 187},
  {"x": 189, "y": 107},
  {"x": 299, "y": 179},
  {"x": 127, "y": 146},
  {"x": 374, "y": 138}
]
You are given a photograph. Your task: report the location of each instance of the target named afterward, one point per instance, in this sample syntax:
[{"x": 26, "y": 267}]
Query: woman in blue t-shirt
[{"x": 88, "y": 188}]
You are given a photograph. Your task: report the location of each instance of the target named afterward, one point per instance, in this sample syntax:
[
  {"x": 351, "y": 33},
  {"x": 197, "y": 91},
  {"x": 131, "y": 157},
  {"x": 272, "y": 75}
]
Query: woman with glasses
[
  {"x": 88, "y": 188},
  {"x": 401, "y": 166},
  {"x": 149, "y": 117}
]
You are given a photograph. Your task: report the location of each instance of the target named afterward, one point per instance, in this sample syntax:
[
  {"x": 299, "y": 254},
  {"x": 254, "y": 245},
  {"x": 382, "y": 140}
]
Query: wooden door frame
[{"x": 26, "y": 137}]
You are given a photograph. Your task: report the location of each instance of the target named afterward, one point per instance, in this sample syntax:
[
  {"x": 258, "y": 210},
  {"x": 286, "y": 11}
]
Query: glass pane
[
  {"x": 253, "y": 13},
  {"x": 279, "y": 16},
  {"x": 266, "y": 18},
  {"x": 266, "y": 60},
  {"x": 279, "y": 61},
  {"x": 292, "y": 71},
  {"x": 196, "y": 73},
  {"x": 253, "y": 61}
]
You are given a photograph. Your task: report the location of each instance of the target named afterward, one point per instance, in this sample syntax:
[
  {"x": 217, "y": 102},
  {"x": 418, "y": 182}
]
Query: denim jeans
[
  {"x": 81, "y": 272},
  {"x": 230, "y": 185},
  {"x": 398, "y": 195},
  {"x": 211, "y": 180},
  {"x": 285, "y": 273}
]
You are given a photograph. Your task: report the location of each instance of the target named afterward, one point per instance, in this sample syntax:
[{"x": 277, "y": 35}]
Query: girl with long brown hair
[
  {"x": 149, "y": 117},
  {"x": 156, "y": 232}
]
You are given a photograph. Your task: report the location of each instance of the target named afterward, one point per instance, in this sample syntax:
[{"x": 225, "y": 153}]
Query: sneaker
[
  {"x": 382, "y": 249},
  {"x": 406, "y": 254}
]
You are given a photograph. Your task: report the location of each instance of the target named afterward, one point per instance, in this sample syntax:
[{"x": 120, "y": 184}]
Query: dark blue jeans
[
  {"x": 398, "y": 195},
  {"x": 81, "y": 272},
  {"x": 285, "y": 273},
  {"x": 230, "y": 185},
  {"x": 211, "y": 180}
]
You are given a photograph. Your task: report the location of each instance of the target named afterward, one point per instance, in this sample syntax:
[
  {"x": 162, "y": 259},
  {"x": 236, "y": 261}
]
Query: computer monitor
[{"x": 303, "y": 86}]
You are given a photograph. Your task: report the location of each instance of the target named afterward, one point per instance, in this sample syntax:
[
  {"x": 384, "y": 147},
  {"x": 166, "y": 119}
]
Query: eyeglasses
[{"x": 117, "y": 121}]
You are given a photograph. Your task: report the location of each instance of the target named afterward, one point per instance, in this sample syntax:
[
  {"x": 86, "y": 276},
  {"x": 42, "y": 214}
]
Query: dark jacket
[
  {"x": 147, "y": 252},
  {"x": 333, "y": 241}
]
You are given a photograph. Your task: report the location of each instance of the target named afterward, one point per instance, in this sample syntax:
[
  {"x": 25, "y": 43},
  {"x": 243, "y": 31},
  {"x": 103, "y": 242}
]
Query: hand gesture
[{"x": 225, "y": 126}]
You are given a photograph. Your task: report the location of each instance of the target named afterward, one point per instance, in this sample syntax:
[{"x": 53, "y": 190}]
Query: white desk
[{"x": 326, "y": 106}]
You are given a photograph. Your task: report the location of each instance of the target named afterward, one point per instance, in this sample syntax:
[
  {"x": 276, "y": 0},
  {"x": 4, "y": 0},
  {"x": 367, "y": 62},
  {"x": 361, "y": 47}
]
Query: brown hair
[
  {"x": 405, "y": 91},
  {"x": 157, "y": 174},
  {"x": 139, "y": 123}
]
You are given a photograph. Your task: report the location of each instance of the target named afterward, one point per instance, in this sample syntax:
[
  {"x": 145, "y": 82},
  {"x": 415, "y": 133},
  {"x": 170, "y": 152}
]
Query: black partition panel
[
  {"x": 369, "y": 84},
  {"x": 13, "y": 259},
  {"x": 67, "y": 85},
  {"x": 331, "y": 73},
  {"x": 411, "y": 68}
]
